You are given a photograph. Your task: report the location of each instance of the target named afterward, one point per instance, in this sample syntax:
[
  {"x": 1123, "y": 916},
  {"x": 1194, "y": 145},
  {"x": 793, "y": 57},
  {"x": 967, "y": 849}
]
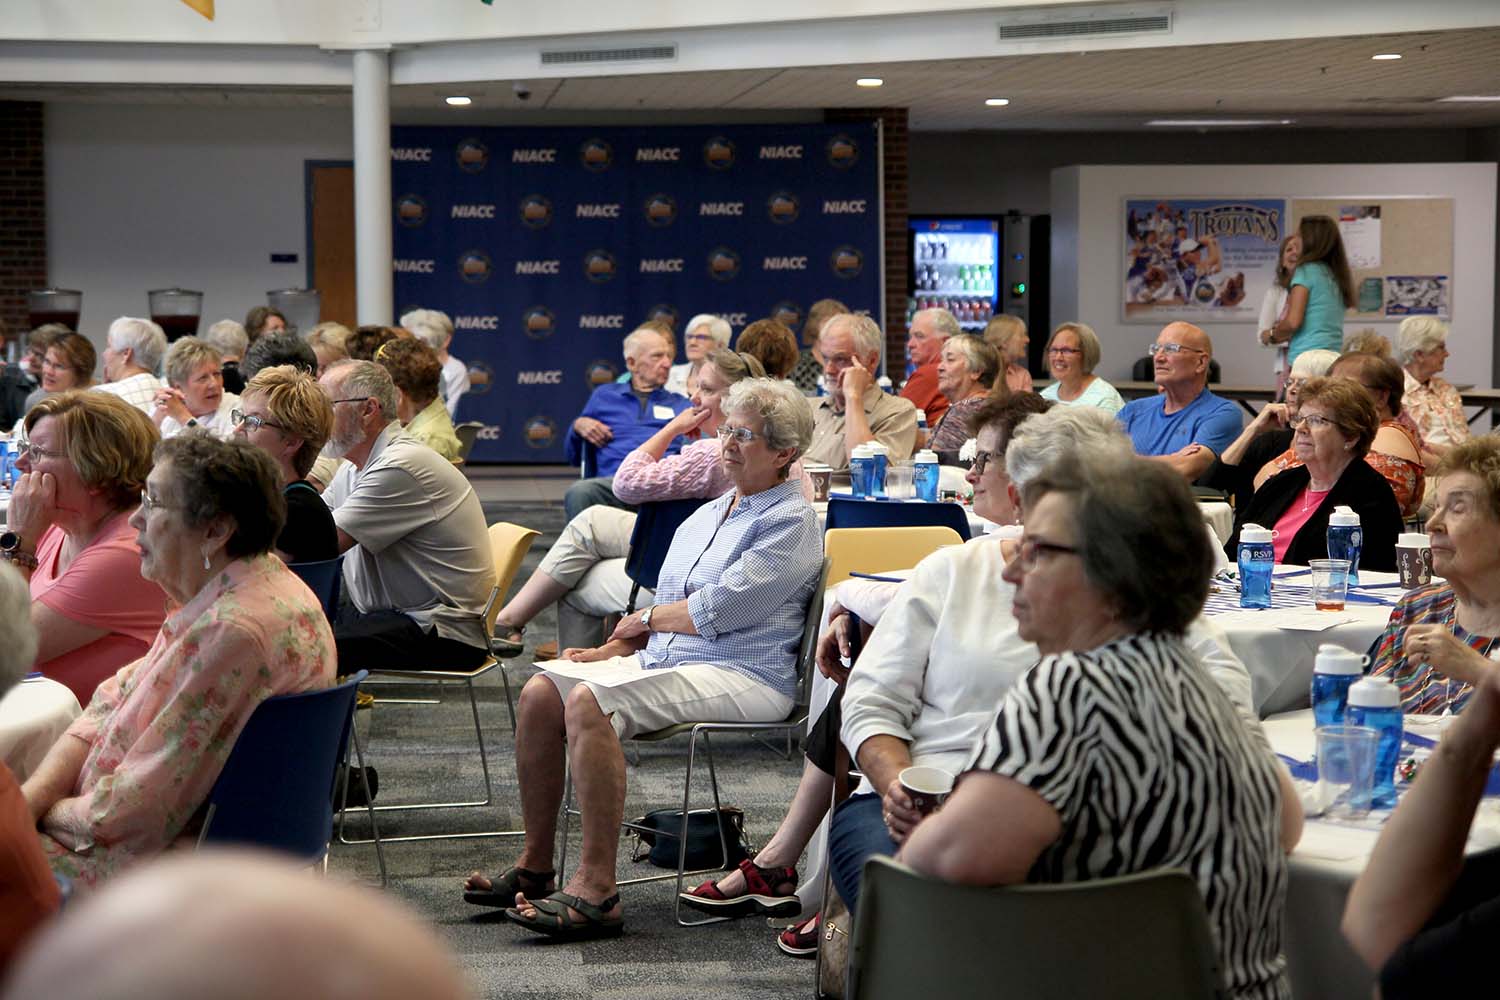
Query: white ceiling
[{"x": 1325, "y": 82}]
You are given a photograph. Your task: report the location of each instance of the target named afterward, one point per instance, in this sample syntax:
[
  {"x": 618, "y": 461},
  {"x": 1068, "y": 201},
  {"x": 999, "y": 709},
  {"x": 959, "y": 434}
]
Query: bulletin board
[{"x": 1400, "y": 250}]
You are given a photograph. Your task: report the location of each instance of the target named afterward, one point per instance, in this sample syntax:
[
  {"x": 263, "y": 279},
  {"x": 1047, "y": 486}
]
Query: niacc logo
[
  {"x": 665, "y": 313},
  {"x": 718, "y": 153},
  {"x": 596, "y": 155},
  {"x": 847, "y": 261},
  {"x": 661, "y": 210},
  {"x": 600, "y": 373},
  {"x": 783, "y": 207},
  {"x": 539, "y": 432},
  {"x": 536, "y": 211},
  {"x": 539, "y": 322},
  {"x": 473, "y": 155},
  {"x": 599, "y": 266},
  {"x": 843, "y": 152},
  {"x": 475, "y": 267},
  {"x": 411, "y": 211},
  {"x": 723, "y": 264},
  {"x": 788, "y": 314},
  {"x": 481, "y": 378}
]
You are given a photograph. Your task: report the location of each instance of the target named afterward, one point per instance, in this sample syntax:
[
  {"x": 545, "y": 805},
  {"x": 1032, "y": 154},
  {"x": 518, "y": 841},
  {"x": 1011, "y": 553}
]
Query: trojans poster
[{"x": 1200, "y": 259}]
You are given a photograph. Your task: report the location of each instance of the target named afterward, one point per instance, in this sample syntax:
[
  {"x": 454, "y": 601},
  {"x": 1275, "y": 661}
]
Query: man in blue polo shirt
[
  {"x": 1184, "y": 425},
  {"x": 620, "y": 416}
]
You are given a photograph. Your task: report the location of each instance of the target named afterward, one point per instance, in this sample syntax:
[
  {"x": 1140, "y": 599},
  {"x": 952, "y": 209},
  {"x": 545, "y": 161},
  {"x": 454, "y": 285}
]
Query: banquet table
[
  {"x": 1330, "y": 857},
  {"x": 33, "y": 714}
]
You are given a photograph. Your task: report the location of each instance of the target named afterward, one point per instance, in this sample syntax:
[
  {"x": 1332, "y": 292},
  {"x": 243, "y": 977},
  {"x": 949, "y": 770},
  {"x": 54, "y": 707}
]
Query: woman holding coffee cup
[
  {"x": 1440, "y": 637},
  {"x": 1117, "y": 753},
  {"x": 585, "y": 570}
]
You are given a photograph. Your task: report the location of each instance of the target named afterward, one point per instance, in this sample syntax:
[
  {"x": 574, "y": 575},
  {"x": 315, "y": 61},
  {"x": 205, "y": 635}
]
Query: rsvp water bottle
[
  {"x": 880, "y": 457},
  {"x": 861, "y": 464},
  {"x": 1376, "y": 702},
  {"x": 1345, "y": 539},
  {"x": 924, "y": 475},
  {"x": 1335, "y": 671},
  {"x": 1257, "y": 559},
  {"x": 885, "y": 385}
]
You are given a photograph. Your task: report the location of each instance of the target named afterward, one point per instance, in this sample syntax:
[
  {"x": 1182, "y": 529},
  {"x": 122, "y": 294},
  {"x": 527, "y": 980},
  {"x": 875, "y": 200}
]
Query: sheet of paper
[{"x": 1311, "y": 620}]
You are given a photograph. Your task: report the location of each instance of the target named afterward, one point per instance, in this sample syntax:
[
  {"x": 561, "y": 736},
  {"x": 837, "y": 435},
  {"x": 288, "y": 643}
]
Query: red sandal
[{"x": 768, "y": 891}]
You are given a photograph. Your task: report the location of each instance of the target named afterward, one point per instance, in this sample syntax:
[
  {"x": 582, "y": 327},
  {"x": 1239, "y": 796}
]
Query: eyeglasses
[
  {"x": 1156, "y": 349},
  {"x": 34, "y": 452},
  {"x": 1066, "y": 350},
  {"x": 150, "y": 503},
  {"x": 251, "y": 421},
  {"x": 1312, "y": 421},
  {"x": 1030, "y": 551},
  {"x": 741, "y": 435},
  {"x": 699, "y": 336},
  {"x": 982, "y": 459},
  {"x": 351, "y": 399}
]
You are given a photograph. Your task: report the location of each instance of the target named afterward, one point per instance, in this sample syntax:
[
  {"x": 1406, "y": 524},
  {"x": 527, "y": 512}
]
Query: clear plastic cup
[
  {"x": 898, "y": 481},
  {"x": 1330, "y": 583},
  {"x": 1346, "y": 770}
]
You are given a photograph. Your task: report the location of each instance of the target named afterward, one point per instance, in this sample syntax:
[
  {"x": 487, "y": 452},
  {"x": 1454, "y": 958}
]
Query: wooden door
[{"x": 331, "y": 228}]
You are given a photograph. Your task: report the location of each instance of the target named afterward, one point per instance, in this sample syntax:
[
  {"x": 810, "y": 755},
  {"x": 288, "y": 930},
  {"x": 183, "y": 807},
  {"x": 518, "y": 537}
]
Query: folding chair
[
  {"x": 894, "y": 514},
  {"x": 870, "y": 550},
  {"x": 794, "y": 721},
  {"x": 656, "y": 525},
  {"x": 325, "y": 579},
  {"x": 1129, "y": 938},
  {"x": 468, "y": 433}
]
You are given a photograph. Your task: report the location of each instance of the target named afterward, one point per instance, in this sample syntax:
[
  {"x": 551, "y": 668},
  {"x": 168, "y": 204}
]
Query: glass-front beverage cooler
[{"x": 955, "y": 265}]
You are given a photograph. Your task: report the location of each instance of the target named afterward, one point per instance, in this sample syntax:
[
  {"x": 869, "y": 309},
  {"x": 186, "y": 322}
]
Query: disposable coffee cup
[
  {"x": 822, "y": 479},
  {"x": 1414, "y": 559},
  {"x": 927, "y": 787}
]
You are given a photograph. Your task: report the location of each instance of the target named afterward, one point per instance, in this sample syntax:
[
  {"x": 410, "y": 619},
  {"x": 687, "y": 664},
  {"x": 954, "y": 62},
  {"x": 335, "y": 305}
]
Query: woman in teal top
[{"x": 1322, "y": 288}]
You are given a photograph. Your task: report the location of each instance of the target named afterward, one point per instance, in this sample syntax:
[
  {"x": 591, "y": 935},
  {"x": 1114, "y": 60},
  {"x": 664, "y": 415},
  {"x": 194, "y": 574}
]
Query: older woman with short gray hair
[
  {"x": 1072, "y": 353},
  {"x": 967, "y": 370},
  {"x": 194, "y": 395},
  {"x": 703, "y": 333},
  {"x": 781, "y": 410},
  {"x": 1430, "y": 400}
]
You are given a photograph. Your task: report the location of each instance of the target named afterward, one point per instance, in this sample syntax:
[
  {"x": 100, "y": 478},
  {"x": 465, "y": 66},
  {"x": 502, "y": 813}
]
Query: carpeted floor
[{"x": 426, "y": 751}]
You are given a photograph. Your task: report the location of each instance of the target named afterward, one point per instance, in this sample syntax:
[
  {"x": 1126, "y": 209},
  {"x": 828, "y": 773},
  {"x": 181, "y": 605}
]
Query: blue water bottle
[
  {"x": 861, "y": 464},
  {"x": 880, "y": 456},
  {"x": 1335, "y": 671},
  {"x": 1376, "y": 702},
  {"x": 1257, "y": 560},
  {"x": 1345, "y": 539},
  {"x": 924, "y": 475}
]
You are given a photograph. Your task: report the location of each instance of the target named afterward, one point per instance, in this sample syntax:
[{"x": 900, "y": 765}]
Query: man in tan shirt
[{"x": 850, "y": 346}]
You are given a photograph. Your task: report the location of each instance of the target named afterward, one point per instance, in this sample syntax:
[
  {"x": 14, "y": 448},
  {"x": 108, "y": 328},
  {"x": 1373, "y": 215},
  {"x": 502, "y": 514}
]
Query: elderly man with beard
[
  {"x": 850, "y": 346},
  {"x": 417, "y": 573}
]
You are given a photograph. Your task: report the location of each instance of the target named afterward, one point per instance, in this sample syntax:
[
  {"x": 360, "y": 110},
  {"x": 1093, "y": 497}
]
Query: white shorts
[{"x": 643, "y": 701}]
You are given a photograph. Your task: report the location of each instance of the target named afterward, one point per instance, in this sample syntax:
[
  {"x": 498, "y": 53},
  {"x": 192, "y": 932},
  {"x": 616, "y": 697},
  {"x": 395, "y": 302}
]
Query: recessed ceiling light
[
  {"x": 869, "y": 81},
  {"x": 997, "y": 102},
  {"x": 1384, "y": 56},
  {"x": 1469, "y": 99},
  {"x": 1215, "y": 122},
  {"x": 459, "y": 102}
]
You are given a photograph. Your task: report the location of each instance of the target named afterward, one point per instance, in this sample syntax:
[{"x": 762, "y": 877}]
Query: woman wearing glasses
[
  {"x": 703, "y": 334},
  {"x": 82, "y": 470},
  {"x": 584, "y": 573},
  {"x": 286, "y": 415},
  {"x": 1072, "y": 352},
  {"x": 1331, "y": 436}
]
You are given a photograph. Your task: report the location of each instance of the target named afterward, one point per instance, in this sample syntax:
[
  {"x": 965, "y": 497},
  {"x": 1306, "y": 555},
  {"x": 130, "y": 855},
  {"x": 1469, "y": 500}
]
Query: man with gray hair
[
  {"x": 619, "y": 417},
  {"x": 929, "y": 330},
  {"x": 850, "y": 346},
  {"x": 435, "y": 329},
  {"x": 132, "y": 355},
  {"x": 416, "y": 570}
]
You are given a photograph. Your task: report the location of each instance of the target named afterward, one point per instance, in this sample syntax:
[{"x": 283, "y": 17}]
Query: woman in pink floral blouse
[
  {"x": 129, "y": 776},
  {"x": 585, "y": 571},
  {"x": 1431, "y": 400}
]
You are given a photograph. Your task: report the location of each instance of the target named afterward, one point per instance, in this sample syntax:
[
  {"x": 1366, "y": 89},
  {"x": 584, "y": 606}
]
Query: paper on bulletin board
[
  {"x": 1359, "y": 225},
  {"x": 1416, "y": 295}
]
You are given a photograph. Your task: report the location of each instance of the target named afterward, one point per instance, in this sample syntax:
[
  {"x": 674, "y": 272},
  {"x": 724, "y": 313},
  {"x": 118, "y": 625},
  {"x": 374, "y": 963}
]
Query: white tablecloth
[
  {"x": 1325, "y": 864},
  {"x": 32, "y": 716}
]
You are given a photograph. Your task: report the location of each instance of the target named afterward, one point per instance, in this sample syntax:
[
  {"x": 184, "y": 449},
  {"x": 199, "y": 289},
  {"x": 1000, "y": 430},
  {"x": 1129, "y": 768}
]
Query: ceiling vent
[
  {"x": 593, "y": 57},
  {"x": 1087, "y": 23}
]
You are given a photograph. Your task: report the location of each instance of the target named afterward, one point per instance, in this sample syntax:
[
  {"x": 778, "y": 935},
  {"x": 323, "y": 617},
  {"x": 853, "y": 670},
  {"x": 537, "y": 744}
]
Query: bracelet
[{"x": 23, "y": 559}]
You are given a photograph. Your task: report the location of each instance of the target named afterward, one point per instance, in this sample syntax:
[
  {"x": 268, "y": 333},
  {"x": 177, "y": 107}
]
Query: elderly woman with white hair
[
  {"x": 720, "y": 643},
  {"x": 966, "y": 371},
  {"x": 435, "y": 329},
  {"x": 1072, "y": 354},
  {"x": 132, "y": 353},
  {"x": 704, "y": 333},
  {"x": 1432, "y": 402},
  {"x": 194, "y": 395},
  {"x": 231, "y": 341}
]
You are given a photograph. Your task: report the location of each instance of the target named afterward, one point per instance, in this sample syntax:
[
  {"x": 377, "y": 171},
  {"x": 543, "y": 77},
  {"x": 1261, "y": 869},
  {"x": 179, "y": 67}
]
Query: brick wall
[
  {"x": 893, "y": 121},
  {"x": 23, "y": 210}
]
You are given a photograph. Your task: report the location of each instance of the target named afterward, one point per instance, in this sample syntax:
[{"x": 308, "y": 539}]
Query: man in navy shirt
[
  {"x": 620, "y": 416},
  {"x": 1184, "y": 425}
]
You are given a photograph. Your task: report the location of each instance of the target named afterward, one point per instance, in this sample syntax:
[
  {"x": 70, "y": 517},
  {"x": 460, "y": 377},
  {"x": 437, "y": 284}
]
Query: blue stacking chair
[
  {"x": 656, "y": 525},
  {"x": 887, "y": 514},
  {"x": 275, "y": 790},
  {"x": 325, "y": 579}
]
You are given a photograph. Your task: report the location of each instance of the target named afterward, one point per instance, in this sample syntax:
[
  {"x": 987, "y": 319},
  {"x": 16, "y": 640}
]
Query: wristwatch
[
  {"x": 10, "y": 551},
  {"x": 646, "y": 617}
]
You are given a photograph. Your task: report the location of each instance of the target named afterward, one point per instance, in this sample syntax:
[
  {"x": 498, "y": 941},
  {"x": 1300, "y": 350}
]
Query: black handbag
[{"x": 657, "y": 831}]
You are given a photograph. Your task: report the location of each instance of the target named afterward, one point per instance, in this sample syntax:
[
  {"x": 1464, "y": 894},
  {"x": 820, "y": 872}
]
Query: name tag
[{"x": 663, "y": 412}]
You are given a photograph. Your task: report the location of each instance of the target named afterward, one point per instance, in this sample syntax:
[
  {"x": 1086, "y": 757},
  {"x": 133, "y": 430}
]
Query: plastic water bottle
[
  {"x": 1335, "y": 671},
  {"x": 1257, "y": 560},
  {"x": 881, "y": 455},
  {"x": 861, "y": 464},
  {"x": 924, "y": 475},
  {"x": 886, "y": 386},
  {"x": 1376, "y": 702},
  {"x": 1345, "y": 539},
  {"x": 921, "y": 428}
]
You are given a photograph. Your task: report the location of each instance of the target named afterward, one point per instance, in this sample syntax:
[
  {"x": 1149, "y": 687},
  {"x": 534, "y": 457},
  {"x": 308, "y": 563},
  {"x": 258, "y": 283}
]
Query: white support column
[{"x": 374, "y": 285}]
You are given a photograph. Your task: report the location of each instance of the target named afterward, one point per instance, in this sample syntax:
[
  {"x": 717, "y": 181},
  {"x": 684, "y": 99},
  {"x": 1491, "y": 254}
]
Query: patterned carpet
[{"x": 425, "y": 751}]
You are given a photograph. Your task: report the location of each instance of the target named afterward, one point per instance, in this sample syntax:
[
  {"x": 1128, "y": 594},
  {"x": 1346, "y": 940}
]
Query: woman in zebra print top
[{"x": 1117, "y": 753}]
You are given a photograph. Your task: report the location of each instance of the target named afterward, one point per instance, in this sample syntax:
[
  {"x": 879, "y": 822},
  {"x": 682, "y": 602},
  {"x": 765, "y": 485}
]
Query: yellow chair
[{"x": 872, "y": 550}]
